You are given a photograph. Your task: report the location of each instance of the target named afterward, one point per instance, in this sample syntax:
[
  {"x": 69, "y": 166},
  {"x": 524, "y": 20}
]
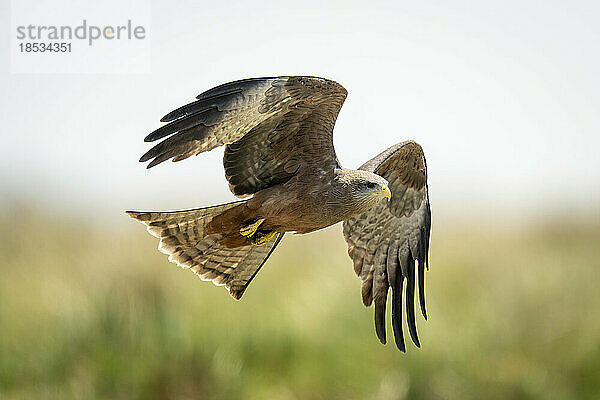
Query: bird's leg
[
  {"x": 258, "y": 238},
  {"x": 251, "y": 229},
  {"x": 261, "y": 238}
]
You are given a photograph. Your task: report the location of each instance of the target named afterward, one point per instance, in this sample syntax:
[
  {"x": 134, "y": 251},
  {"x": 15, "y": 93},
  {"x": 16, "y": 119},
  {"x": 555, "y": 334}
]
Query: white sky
[{"x": 503, "y": 97}]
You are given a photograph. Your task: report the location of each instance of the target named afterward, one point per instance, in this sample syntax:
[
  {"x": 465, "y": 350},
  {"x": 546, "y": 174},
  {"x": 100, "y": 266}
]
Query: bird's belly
[
  {"x": 288, "y": 209},
  {"x": 303, "y": 219}
]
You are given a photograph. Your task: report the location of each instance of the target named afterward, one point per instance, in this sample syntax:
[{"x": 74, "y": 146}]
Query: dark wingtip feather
[
  {"x": 147, "y": 155},
  {"x": 397, "y": 312},
  {"x": 157, "y": 161},
  {"x": 158, "y": 134},
  {"x": 380, "y": 321},
  {"x": 192, "y": 118},
  {"x": 159, "y": 154},
  {"x": 426, "y": 234},
  {"x": 180, "y": 112},
  {"x": 234, "y": 87},
  {"x": 412, "y": 326},
  {"x": 397, "y": 325},
  {"x": 422, "y": 288},
  {"x": 203, "y": 100},
  {"x": 410, "y": 302},
  {"x": 218, "y": 91},
  {"x": 172, "y": 115}
]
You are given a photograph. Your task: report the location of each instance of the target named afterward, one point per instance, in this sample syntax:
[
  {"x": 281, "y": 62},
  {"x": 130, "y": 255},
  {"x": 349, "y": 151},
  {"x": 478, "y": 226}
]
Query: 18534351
[{"x": 42, "y": 47}]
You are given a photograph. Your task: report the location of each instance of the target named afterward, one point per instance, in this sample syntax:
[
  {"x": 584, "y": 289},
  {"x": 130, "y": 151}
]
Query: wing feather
[
  {"x": 273, "y": 127},
  {"x": 380, "y": 291},
  {"x": 393, "y": 239}
]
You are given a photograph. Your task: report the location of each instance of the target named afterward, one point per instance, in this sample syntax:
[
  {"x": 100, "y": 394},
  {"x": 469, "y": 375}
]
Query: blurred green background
[{"x": 92, "y": 310}]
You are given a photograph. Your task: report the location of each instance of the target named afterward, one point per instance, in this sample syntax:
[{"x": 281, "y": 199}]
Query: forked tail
[{"x": 222, "y": 258}]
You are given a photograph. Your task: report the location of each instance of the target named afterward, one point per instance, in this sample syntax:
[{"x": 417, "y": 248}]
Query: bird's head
[{"x": 365, "y": 188}]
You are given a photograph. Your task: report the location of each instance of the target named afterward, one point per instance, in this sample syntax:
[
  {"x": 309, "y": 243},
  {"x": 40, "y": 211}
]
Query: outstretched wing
[
  {"x": 275, "y": 128},
  {"x": 385, "y": 242}
]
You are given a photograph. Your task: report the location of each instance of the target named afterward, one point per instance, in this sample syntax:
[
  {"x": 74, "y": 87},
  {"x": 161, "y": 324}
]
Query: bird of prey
[{"x": 279, "y": 157}]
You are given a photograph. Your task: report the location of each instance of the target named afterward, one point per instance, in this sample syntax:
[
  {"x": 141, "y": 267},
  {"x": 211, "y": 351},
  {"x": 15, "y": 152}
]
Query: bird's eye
[{"x": 370, "y": 185}]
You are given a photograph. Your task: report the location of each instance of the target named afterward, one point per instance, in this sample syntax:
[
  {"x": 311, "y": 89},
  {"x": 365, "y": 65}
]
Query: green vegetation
[{"x": 96, "y": 312}]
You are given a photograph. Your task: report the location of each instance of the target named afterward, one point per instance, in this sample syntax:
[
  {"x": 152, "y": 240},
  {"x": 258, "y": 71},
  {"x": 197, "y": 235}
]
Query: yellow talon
[
  {"x": 260, "y": 239},
  {"x": 252, "y": 228}
]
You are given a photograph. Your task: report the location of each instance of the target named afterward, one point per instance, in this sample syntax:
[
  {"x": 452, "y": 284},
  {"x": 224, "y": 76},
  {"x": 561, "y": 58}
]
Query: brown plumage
[{"x": 279, "y": 150}]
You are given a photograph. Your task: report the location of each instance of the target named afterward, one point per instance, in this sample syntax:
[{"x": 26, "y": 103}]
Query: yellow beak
[{"x": 385, "y": 192}]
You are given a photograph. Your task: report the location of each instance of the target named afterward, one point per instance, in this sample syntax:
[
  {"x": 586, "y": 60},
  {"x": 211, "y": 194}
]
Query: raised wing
[
  {"x": 385, "y": 242},
  {"x": 275, "y": 127}
]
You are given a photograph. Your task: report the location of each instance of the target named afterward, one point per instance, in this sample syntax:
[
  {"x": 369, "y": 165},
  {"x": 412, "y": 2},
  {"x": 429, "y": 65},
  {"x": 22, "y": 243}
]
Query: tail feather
[{"x": 190, "y": 242}]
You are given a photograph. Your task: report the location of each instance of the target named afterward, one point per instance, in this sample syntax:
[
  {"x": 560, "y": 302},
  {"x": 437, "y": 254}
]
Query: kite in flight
[{"x": 278, "y": 137}]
